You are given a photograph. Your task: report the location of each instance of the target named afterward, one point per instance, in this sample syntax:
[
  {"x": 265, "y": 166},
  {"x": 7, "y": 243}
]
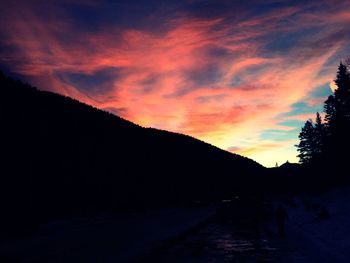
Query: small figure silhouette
[{"x": 281, "y": 216}]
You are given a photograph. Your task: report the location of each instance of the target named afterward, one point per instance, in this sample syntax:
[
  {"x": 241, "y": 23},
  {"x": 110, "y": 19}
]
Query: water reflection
[{"x": 217, "y": 242}]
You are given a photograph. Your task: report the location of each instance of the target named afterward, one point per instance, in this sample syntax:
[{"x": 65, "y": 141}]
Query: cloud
[
  {"x": 98, "y": 83},
  {"x": 217, "y": 70}
]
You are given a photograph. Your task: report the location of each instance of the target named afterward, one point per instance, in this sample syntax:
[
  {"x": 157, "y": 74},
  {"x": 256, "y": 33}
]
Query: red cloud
[{"x": 209, "y": 78}]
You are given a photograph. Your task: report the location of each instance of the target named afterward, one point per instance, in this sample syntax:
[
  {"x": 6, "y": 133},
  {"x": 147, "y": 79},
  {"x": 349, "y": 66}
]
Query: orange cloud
[{"x": 206, "y": 77}]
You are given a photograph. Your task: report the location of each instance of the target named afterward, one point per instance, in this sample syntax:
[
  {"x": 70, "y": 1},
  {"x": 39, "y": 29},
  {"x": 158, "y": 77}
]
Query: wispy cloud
[{"x": 224, "y": 77}]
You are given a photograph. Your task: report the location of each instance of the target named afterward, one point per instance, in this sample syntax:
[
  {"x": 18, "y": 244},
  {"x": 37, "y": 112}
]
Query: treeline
[{"x": 325, "y": 143}]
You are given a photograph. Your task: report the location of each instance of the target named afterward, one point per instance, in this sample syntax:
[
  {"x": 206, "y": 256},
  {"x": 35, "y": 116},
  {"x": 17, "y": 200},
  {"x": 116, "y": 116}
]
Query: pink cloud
[{"x": 162, "y": 82}]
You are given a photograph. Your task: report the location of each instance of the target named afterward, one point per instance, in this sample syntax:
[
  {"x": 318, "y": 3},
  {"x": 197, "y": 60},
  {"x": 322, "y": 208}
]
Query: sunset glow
[{"x": 243, "y": 77}]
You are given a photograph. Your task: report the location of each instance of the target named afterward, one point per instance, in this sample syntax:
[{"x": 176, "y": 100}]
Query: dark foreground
[
  {"x": 169, "y": 235},
  {"x": 317, "y": 230},
  {"x": 102, "y": 238},
  {"x": 215, "y": 242}
]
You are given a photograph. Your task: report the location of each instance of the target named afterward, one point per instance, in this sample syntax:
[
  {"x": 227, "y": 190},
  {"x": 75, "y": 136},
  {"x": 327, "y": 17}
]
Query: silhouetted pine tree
[
  {"x": 329, "y": 109},
  {"x": 311, "y": 140},
  {"x": 342, "y": 96},
  {"x": 337, "y": 106},
  {"x": 306, "y": 145},
  {"x": 337, "y": 109},
  {"x": 319, "y": 136},
  {"x": 330, "y": 139}
]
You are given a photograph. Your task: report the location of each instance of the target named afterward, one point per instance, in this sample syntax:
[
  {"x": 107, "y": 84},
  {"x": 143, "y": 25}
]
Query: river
[{"x": 214, "y": 242}]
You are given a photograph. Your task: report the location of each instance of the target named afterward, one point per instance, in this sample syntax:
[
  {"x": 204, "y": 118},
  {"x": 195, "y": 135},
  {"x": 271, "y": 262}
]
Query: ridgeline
[{"x": 61, "y": 158}]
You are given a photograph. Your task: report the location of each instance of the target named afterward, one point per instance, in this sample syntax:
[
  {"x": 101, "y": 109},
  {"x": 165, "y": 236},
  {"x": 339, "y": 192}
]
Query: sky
[{"x": 241, "y": 75}]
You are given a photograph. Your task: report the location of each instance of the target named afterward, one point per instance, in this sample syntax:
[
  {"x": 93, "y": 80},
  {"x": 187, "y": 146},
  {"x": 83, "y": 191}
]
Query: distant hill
[
  {"x": 290, "y": 166},
  {"x": 61, "y": 157}
]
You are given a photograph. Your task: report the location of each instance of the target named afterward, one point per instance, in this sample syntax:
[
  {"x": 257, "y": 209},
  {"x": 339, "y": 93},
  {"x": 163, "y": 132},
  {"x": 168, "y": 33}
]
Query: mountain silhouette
[{"x": 61, "y": 157}]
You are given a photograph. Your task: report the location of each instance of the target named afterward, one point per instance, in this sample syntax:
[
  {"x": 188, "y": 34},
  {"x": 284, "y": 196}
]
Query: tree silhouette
[
  {"x": 337, "y": 108},
  {"x": 306, "y": 145},
  {"x": 312, "y": 138},
  {"x": 329, "y": 109},
  {"x": 330, "y": 139},
  {"x": 319, "y": 136}
]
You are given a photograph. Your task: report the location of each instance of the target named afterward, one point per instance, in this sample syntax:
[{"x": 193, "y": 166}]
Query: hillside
[{"x": 63, "y": 157}]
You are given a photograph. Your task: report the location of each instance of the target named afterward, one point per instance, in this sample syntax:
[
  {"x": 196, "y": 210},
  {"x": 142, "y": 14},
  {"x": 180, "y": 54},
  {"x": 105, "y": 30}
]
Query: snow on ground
[
  {"x": 103, "y": 239},
  {"x": 317, "y": 229}
]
